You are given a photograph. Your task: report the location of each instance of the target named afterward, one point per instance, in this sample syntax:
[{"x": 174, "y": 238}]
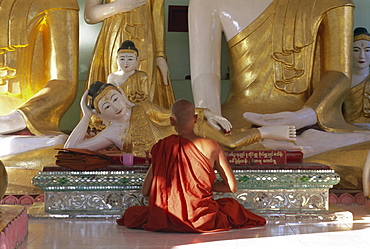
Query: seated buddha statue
[
  {"x": 133, "y": 82},
  {"x": 284, "y": 70},
  {"x": 356, "y": 107},
  {"x": 37, "y": 65},
  {"x": 38, "y": 80}
]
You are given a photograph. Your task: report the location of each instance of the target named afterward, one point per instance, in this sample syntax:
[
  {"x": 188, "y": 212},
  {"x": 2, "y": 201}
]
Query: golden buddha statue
[
  {"x": 142, "y": 22},
  {"x": 38, "y": 62},
  {"x": 33, "y": 72},
  {"x": 286, "y": 69}
]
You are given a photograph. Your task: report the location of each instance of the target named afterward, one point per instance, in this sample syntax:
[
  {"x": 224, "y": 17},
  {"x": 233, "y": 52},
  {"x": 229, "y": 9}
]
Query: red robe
[{"x": 180, "y": 198}]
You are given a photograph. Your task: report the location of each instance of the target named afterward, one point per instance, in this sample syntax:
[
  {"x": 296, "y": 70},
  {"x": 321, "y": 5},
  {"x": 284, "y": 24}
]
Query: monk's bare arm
[
  {"x": 145, "y": 190},
  {"x": 228, "y": 182}
]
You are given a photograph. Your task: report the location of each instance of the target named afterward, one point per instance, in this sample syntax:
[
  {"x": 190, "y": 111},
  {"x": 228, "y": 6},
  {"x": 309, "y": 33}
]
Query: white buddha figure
[
  {"x": 134, "y": 128},
  {"x": 134, "y": 83},
  {"x": 356, "y": 108}
]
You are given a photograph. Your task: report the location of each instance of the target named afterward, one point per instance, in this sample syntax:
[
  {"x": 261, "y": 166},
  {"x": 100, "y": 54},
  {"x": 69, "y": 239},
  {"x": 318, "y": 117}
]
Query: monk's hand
[
  {"x": 279, "y": 132},
  {"x": 299, "y": 119},
  {"x": 217, "y": 122},
  {"x": 163, "y": 68}
]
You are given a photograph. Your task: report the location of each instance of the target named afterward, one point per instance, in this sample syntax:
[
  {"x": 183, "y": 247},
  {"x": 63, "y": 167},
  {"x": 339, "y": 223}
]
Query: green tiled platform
[{"x": 292, "y": 191}]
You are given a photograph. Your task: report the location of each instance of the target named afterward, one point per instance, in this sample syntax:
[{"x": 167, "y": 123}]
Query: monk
[{"x": 181, "y": 180}]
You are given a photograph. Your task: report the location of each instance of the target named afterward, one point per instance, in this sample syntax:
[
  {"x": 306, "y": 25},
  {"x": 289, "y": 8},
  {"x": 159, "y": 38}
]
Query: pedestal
[{"x": 295, "y": 191}]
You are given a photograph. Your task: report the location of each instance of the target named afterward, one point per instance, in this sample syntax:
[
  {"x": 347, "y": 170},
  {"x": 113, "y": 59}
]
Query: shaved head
[{"x": 183, "y": 111}]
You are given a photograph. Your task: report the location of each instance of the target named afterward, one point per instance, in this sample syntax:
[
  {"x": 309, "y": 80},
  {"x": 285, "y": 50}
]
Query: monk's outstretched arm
[{"x": 228, "y": 182}]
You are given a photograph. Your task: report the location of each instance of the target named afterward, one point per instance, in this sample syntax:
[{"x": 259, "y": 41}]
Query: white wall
[{"x": 362, "y": 14}]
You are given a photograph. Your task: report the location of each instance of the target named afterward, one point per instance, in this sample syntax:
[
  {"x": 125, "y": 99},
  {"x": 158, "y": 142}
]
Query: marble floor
[{"x": 104, "y": 233}]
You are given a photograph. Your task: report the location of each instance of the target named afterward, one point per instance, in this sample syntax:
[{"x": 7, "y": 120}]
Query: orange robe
[{"x": 180, "y": 198}]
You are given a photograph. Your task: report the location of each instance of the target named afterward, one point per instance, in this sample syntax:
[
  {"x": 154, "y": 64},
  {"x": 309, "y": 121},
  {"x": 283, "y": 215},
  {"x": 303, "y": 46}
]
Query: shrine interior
[{"x": 73, "y": 198}]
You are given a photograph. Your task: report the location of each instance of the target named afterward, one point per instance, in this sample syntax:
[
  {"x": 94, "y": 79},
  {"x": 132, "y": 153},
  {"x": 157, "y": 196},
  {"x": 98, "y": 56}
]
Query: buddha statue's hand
[
  {"x": 163, "y": 68},
  {"x": 217, "y": 122},
  {"x": 128, "y": 5},
  {"x": 96, "y": 11},
  {"x": 280, "y": 132},
  {"x": 86, "y": 110},
  {"x": 299, "y": 119}
]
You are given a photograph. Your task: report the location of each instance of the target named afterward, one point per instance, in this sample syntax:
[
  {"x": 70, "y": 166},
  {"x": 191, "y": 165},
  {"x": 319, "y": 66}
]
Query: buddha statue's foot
[
  {"x": 318, "y": 140},
  {"x": 280, "y": 145},
  {"x": 12, "y": 122},
  {"x": 10, "y": 145}
]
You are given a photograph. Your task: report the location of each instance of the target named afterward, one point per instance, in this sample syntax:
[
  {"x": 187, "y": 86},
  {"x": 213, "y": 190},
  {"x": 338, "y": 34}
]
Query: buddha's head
[
  {"x": 361, "y": 49},
  {"x": 109, "y": 101},
  {"x": 127, "y": 56}
]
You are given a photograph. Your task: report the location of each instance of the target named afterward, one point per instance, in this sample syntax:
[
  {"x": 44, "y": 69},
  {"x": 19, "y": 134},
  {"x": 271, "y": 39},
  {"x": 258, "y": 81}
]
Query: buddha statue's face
[
  {"x": 127, "y": 62},
  {"x": 361, "y": 54},
  {"x": 112, "y": 105}
]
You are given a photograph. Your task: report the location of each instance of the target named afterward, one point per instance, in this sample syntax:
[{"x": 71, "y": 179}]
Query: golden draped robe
[
  {"x": 137, "y": 87},
  {"x": 38, "y": 60},
  {"x": 356, "y": 107},
  {"x": 145, "y": 27},
  {"x": 149, "y": 123}
]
